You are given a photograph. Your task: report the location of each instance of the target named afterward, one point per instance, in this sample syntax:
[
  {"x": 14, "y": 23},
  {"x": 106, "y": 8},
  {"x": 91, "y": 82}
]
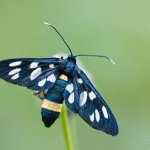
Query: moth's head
[{"x": 72, "y": 58}]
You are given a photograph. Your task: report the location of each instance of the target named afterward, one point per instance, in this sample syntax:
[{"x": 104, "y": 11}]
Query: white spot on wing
[
  {"x": 70, "y": 88},
  {"x": 80, "y": 81},
  {"x": 92, "y": 117},
  {"x": 35, "y": 73},
  {"x": 105, "y": 112},
  {"x": 97, "y": 115},
  {"x": 14, "y": 64},
  {"x": 45, "y": 91},
  {"x": 34, "y": 65},
  {"x": 51, "y": 78},
  {"x": 14, "y": 71},
  {"x": 92, "y": 95},
  {"x": 36, "y": 92},
  {"x": 83, "y": 98},
  {"x": 71, "y": 98},
  {"x": 42, "y": 82},
  {"x": 16, "y": 76},
  {"x": 51, "y": 66}
]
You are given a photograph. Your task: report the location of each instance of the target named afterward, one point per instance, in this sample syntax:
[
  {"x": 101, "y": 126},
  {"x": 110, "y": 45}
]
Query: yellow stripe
[
  {"x": 51, "y": 105},
  {"x": 63, "y": 77}
]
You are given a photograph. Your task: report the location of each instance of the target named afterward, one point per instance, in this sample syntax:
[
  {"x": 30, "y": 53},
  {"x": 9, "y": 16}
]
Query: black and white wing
[
  {"x": 34, "y": 73},
  {"x": 82, "y": 97}
]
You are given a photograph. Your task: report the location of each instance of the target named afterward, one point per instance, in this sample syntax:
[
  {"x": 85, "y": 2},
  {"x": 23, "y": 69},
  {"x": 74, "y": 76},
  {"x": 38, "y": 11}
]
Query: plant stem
[{"x": 66, "y": 128}]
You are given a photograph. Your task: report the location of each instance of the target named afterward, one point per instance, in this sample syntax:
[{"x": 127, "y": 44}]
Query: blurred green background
[{"x": 119, "y": 29}]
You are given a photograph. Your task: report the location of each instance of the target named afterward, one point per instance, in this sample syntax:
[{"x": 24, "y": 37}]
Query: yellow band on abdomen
[
  {"x": 63, "y": 77},
  {"x": 51, "y": 105}
]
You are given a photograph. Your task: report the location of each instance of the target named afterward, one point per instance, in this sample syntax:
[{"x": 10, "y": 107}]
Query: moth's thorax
[{"x": 70, "y": 65}]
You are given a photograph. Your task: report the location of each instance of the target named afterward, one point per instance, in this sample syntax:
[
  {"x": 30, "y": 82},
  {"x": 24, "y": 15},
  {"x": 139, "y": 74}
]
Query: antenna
[
  {"x": 60, "y": 36},
  {"x": 111, "y": 60}
]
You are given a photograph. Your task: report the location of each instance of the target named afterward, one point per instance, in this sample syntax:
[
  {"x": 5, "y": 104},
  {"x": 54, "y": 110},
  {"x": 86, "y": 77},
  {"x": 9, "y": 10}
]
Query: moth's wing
[
  {"x": 34, "y": 73},
  {"x": 71, "y": 94},
  {"x": 82, "y": 97}
]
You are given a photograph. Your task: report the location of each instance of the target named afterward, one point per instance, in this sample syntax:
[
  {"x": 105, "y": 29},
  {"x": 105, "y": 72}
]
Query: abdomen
[{"x": 53, "y": 100}]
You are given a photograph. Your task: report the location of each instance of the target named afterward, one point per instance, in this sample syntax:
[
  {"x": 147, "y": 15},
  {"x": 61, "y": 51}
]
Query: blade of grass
[{"x": 66, "y": 128}]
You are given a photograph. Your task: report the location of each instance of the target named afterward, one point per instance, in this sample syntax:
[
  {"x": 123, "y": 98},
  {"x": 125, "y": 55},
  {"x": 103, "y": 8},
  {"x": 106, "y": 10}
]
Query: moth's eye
[
  {"x": 62, "y": 57},
  {"x": 69, "y": 58}
]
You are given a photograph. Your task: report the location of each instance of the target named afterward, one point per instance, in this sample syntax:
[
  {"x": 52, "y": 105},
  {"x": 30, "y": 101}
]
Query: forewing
[
  {"x": 36, "y": 74},
  {"x": 71, "y": 94},
  {"x": 84, "y": 99}
]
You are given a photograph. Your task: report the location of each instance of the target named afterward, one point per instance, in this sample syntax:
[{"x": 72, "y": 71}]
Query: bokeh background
[{"x": 119, "y": 29}]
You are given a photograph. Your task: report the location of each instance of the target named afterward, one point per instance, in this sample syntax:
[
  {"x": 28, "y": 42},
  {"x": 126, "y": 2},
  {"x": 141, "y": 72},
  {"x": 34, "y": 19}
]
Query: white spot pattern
[
  {"x": 51, "y": 78},
  {"x": 14, "y": 71},
  {"x": 35, "y": 73},
  {"x": 83, "y": 98},
  {"x": 14, "y": 64},
  {"x": 51, "y": 66},
  {"x": 105, "y": 112},
  {"x": 16, "y": 76},
  {"x": 97, "y": 115},
  {"x": 71, "y": 98},
  {"x": 34, "y": 65},
  {"x": 92, "y": 95},
  {"x": 42, "y": 82},
  {"x": 92, "y": 117},
  {"x": 80, "y": 81},
  {"x": 70, "y": 88}
]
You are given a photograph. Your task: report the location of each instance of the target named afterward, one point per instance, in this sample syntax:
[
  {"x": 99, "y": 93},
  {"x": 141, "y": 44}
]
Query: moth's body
[{"x": 53, "y": 98}]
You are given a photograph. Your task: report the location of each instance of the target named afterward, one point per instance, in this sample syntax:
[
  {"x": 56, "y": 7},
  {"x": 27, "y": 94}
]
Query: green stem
[{"x": 66, "y": 128}]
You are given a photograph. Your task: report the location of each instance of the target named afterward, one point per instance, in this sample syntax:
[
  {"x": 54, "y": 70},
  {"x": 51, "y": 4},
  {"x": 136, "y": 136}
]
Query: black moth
[{"x": 56, "y": 79}]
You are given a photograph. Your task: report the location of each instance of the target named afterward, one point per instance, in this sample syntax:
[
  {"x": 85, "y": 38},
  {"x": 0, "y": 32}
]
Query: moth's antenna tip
[
  {"x": 46, "y": 23},
  {"x": 112, "y": 61}
]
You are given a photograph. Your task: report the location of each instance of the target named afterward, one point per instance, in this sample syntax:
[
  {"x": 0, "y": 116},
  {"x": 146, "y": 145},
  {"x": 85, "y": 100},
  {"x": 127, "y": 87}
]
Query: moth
[{"x": 57, "y": 79}]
